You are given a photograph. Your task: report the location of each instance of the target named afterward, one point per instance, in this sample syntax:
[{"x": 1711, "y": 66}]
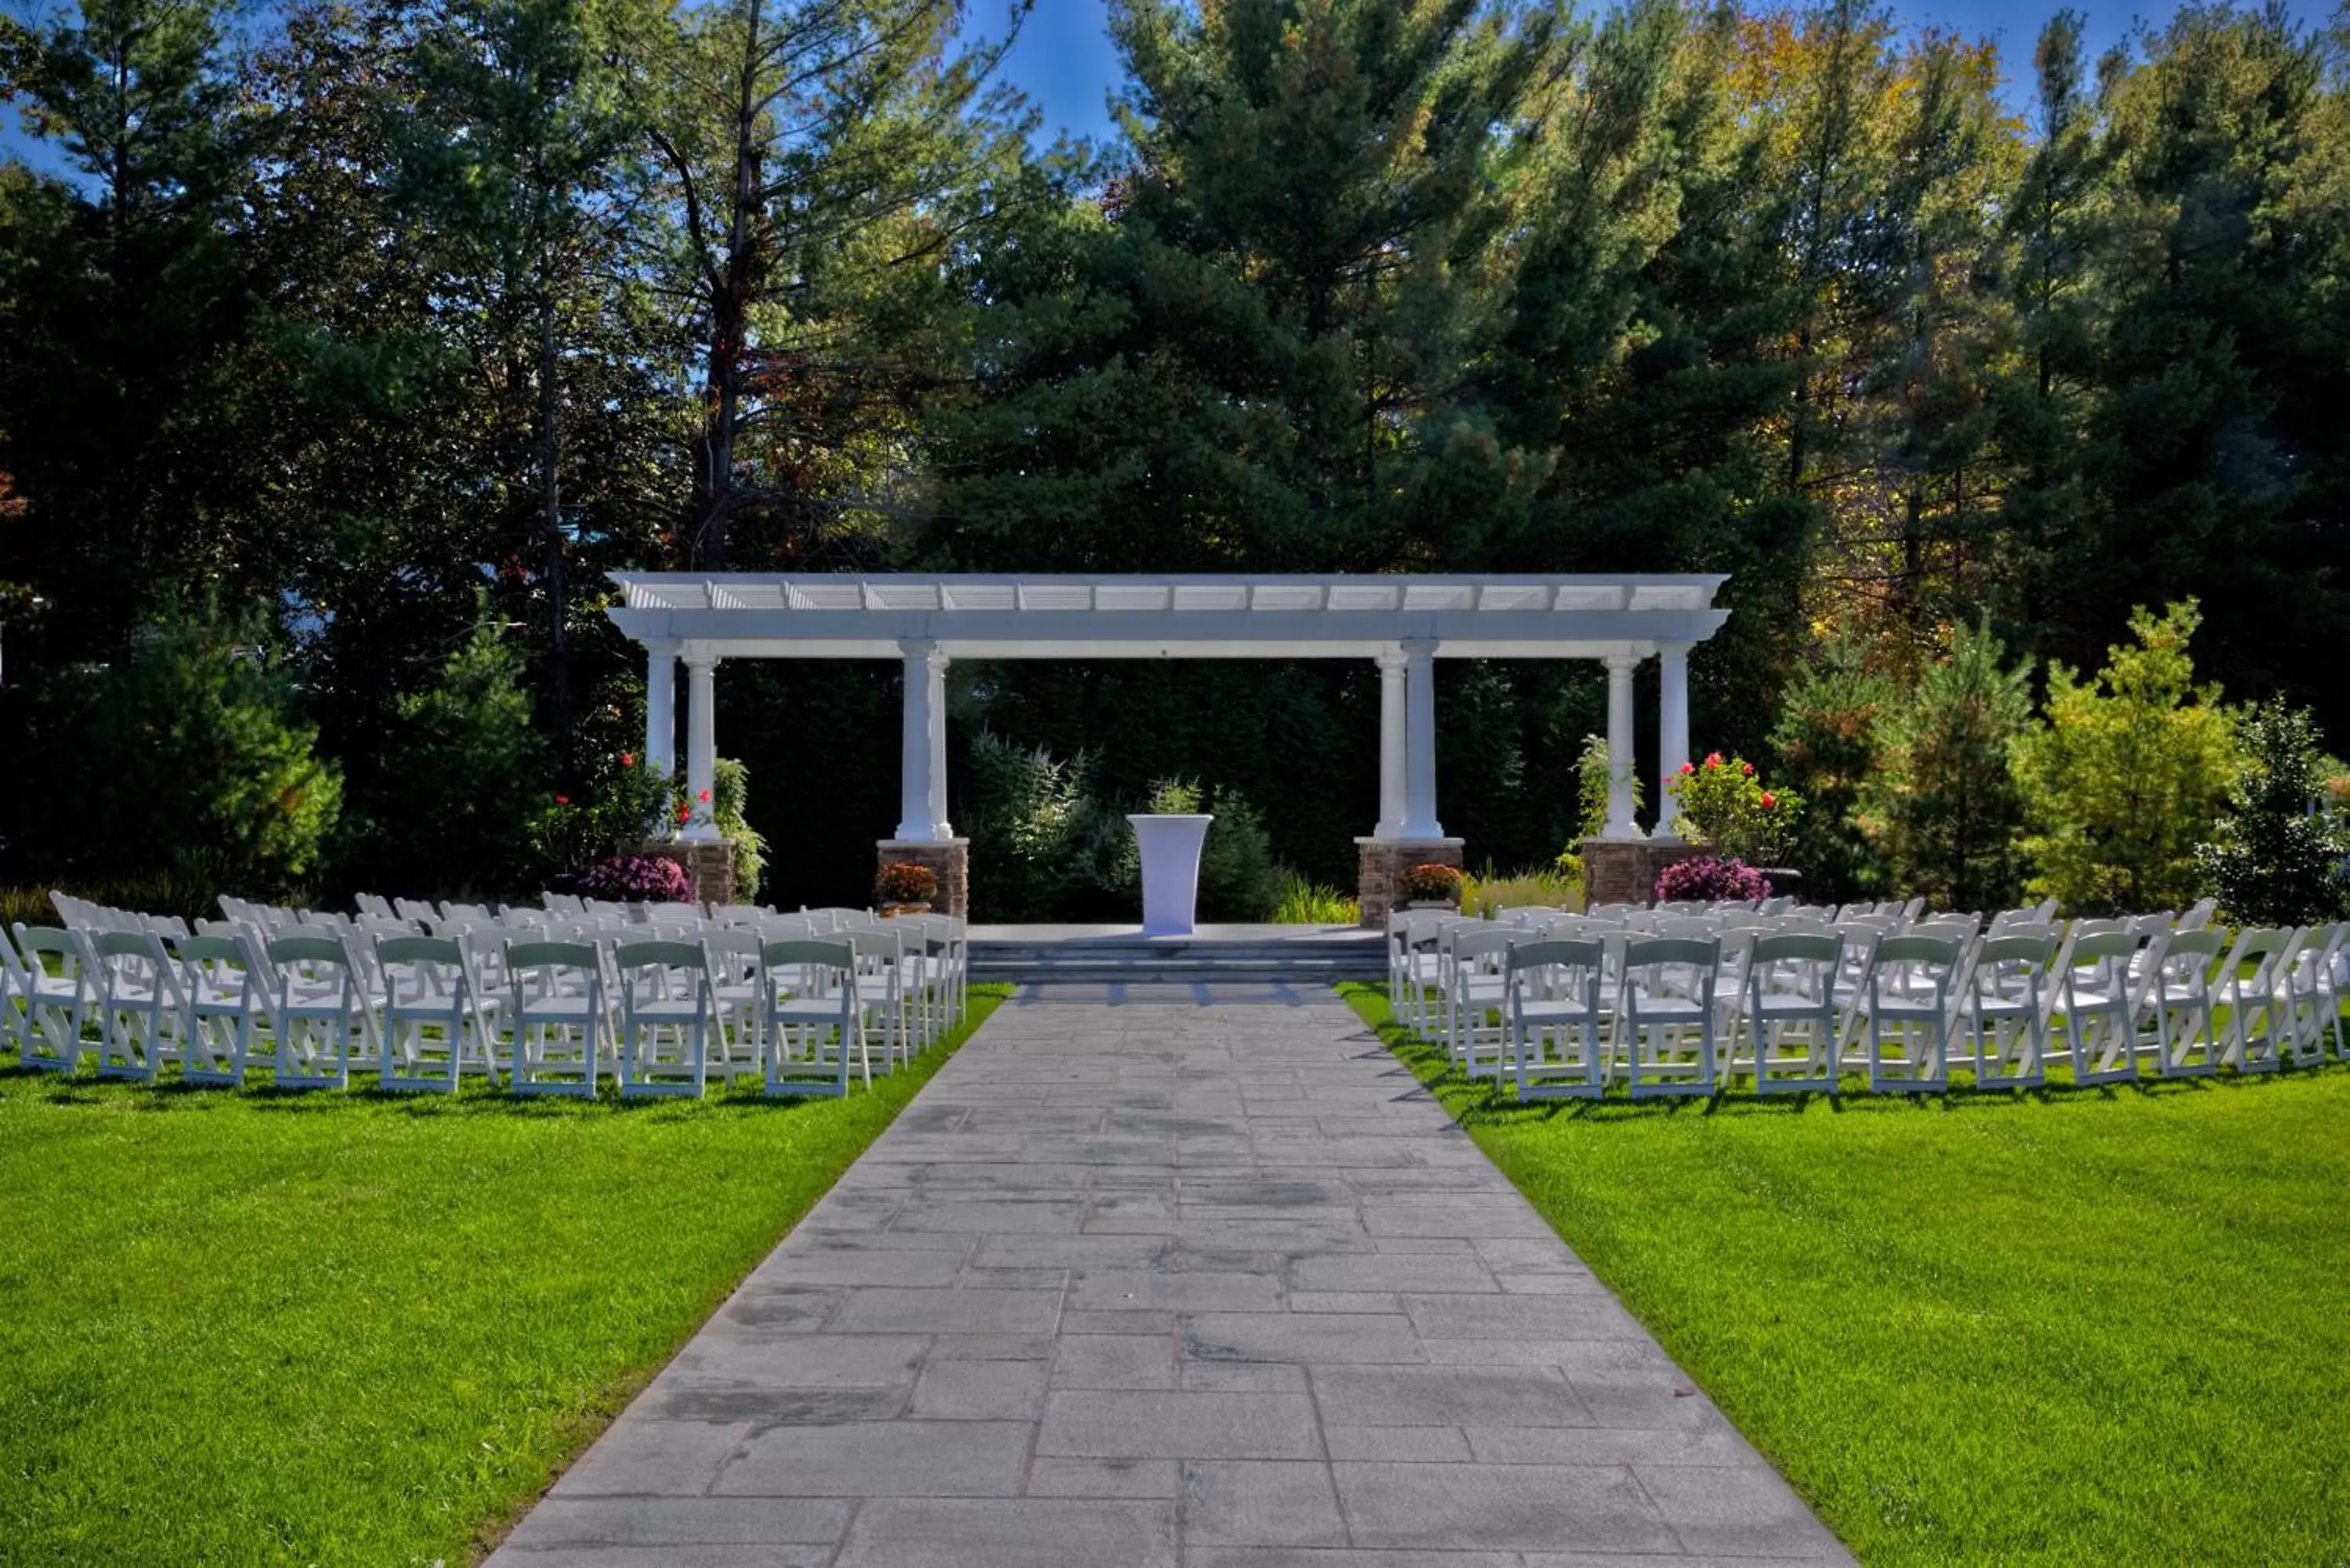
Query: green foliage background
[{"x": 390, "y": 328}]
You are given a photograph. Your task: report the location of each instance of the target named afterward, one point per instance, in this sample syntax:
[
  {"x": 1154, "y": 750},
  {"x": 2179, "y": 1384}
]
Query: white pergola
[{"x": 1403, "y": 624}]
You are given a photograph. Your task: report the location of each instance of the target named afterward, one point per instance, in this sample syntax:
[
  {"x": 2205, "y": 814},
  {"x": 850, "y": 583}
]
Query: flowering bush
[
  {"x": 637, "y": 879},
  {"x": 905, "y": 882},
  {"x": 1710, "y": 878},
  {"x": 1431, "y": 883},
  {"x": 1725, "y": 805}
]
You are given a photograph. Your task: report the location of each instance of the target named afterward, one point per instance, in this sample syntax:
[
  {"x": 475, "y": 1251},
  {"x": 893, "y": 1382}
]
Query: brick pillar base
[
  {"x": 709, "y": 865},
  {"x": 1384, "y": 860},
  {"x": 949, "y": 861},
  {"x": 1625, "y": 870}
]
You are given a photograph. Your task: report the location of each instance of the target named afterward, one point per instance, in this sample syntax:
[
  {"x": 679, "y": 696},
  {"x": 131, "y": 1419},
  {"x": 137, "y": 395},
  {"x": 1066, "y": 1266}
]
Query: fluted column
[
  {"x": 701, "y": 744},
  {"x": 1420, "y": 741},
  {"x": 1673, "y": 728},
  {"x": 1621, "y": 822},
  {"x": 1391, "y": 746}
]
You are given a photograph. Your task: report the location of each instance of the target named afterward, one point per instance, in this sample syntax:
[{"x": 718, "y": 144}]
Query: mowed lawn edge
[
  {"x": 253, "y": 1325},
  {"x": 2074, "y": 1325}
]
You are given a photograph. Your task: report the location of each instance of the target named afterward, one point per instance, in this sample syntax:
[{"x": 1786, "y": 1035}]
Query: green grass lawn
[
  {"x": 2101, "y": 1325},
  {"x": 253, "y": 1327}
]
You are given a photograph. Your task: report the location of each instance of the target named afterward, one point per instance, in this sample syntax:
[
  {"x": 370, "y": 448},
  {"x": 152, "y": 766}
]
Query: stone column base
[
  {"x": 1625, "y": 870},
  {"x": 949, "y": 860},
  {"x": 1384, "y": 860},
  {"x": 709, "y": 865}
]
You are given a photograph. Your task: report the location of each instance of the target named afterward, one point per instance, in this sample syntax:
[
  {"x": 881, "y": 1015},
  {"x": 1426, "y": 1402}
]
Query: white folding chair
[
  {"x": 1913, "y": 990},
  {"x": 58, "y": 1005},
  {"x": 1665, "y": 1019},
  {"x": 813, "y": 1016},
  {"x": 666, "y": 1016},
  {"x": 225, "y": 1001},
  {"x": 1556, "y": 1047},
  {"x": 2259, "y": 1020},
  {"x": 2177, "y": 1017},
  {"x": 2004, "y": 1011},
  {"x": 314, "y": 1011},
  {"x": 141, "y": 1011},
  {"x": 559, "y": 1028},
  {"x": 431, "y": 1011},
  {"x": 2098, "y": 1003},
  {"x": 1792, "y": 1017}
]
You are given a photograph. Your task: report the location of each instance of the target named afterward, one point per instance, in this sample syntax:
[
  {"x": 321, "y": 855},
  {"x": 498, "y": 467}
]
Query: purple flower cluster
[
  {"x": 637, "y": 879},
  {"x": 1711, "y": 878}
]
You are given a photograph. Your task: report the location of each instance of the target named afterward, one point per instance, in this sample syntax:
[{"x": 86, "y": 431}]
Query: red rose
[
  {"x": 1769, "y": 801},
  {"x": 1688, "y": 767},
  {"x": 1713, "y": 759},
  {"x": 563, "y": 800},
  {"x": 628, "y": 759},
  {"x": 705, "y": 797}
]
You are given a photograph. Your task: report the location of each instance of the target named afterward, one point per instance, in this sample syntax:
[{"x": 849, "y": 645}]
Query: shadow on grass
[{"x": 1479, "y": 1102}]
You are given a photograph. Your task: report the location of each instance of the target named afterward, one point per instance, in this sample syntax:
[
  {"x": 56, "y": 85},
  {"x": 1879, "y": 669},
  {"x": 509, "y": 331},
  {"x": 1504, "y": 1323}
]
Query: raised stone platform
[{"x": 1096, "y": 955}]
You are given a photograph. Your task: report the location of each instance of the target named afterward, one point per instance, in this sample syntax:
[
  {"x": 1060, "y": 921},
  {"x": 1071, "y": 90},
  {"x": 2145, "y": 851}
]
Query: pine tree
[{"x": 1942, "y": 804}]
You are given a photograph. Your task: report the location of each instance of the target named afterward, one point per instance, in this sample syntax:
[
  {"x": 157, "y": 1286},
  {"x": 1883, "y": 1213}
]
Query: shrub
[
  {"x": 730, "y": 795},
  {"x": 1711, "y": 878},
  {"x": 1431, "y": 883},
  {"x": 1307, "y": 903},
  {"x": 1035, "y": 836},
  {"x": 1489, "y": 892},
  {"x": 1591, "y": 802},
  {"x": 1239, "y": 879},
  {"x": 2277, "y": 856},
  {"x": 1941, "y": 804},
  {"x": 905, "y": 882},
  {"x": 637, "y": 879},
  {"x": 1827, "y": 739},
  {"x": 199, "y": 762},
  {"x": 2128, "y": 774},
  {"x": 1724, "y": 805},
  {"x": 1175, "y": 797}
]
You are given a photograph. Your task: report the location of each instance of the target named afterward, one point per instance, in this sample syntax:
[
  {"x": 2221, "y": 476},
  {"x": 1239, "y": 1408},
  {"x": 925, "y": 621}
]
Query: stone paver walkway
[{"x": 1135, "y": 1285}]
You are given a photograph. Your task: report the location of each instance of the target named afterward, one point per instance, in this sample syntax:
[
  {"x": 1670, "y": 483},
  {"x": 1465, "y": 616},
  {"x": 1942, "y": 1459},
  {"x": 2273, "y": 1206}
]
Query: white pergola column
[
  {"x": 1419, "y": 742},
  {"x": 1673, "y": 728},
  {"x": 937, "y": 702},
  {"x": 700, "y": 742},
  {"x": 918, "y": 819},
  {"x": 660, "y": 707},
  {"x": 1391, "y": 746},
  {"x": 1621, "y": 823}
]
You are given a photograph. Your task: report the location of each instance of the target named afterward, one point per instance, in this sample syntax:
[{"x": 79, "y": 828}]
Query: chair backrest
[
  {"x": 2097, "y": 947},
  {"x": 209, "y": 950},
  {"x": 551, "y": 955},
  {"x": 420, "y": 949},
  {"x": 1646, "y": 952},
  {"x": 144, "y": 945},
  {"x": 661, "y": 955},
  {"x": 291, "y": 950},
  {"x": 1803, "y": 947},
  {"x": 1567, "y": 953},
  {"x": 798, "y": 951},
  {"x": 1916, "y": 948},
  {"x": 2020, "y": 947}
]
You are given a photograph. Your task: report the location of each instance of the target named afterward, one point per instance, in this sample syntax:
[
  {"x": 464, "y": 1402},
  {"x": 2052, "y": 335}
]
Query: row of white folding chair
[
  {"x": 1930, "y": 1003},
  {"x": 207, "y": 1006}
]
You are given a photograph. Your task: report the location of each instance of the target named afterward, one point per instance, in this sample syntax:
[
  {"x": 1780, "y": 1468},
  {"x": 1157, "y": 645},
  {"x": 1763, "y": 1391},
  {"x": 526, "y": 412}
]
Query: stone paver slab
[{"x": 1164, "y": 1280}]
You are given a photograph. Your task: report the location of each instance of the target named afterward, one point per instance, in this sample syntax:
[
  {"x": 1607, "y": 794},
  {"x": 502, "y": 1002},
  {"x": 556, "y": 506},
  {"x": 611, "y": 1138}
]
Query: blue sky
[
  {"x": 1065, "y": 63},
  {"x": 1064, "y": 60}
]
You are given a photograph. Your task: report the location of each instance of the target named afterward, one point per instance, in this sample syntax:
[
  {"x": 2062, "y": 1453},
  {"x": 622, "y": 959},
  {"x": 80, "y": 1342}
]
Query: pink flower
[
  {"x": 1688, "y": 767},
  {"x": 1749, "y": 767},
  {"x": 1769, "y": 801},
  {"x": 1713, "y": 759},
  {"x": 705, "y": 797},
  {"x": 628, "y": 759},
  {"x": 563, "y": 800}
]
